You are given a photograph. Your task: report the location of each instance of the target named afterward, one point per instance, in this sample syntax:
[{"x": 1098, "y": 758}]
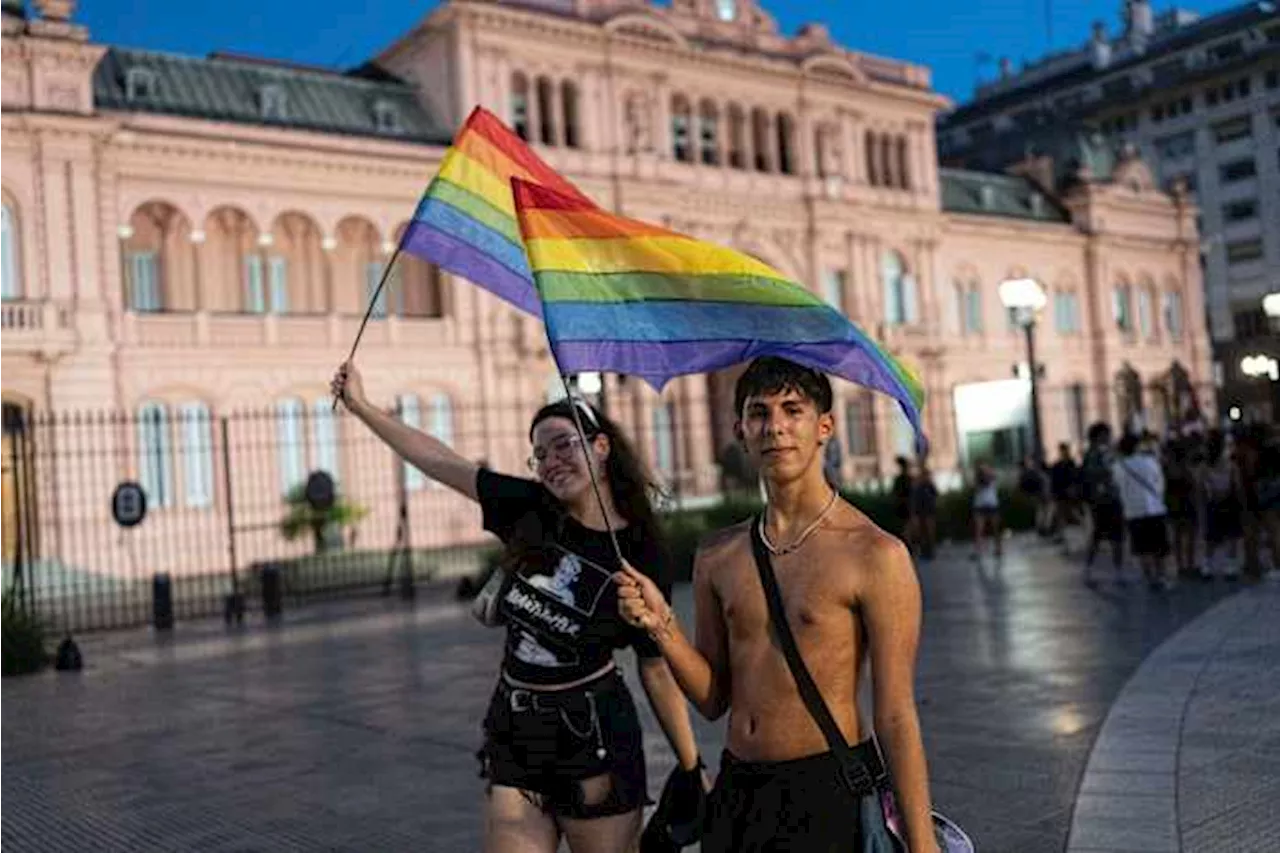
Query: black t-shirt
[{"x": 561, "y": 607}]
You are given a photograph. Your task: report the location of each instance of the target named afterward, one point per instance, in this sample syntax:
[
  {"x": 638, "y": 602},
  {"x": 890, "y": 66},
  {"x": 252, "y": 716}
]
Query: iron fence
[{"x": 218, "y": 487}]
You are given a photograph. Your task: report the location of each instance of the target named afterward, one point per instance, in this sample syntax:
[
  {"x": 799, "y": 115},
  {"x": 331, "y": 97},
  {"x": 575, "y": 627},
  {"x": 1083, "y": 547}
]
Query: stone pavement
[
  {"x": 353, "y": 726},
  {"x": 1189, "y": 756}
]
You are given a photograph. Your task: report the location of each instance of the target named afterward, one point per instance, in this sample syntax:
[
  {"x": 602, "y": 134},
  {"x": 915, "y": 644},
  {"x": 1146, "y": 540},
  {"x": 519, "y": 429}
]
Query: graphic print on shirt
[{"x": 553, "y": 610}]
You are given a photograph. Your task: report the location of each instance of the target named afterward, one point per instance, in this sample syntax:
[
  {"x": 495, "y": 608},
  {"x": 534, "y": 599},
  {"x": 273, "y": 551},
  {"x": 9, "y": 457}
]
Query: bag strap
[
  {"x": 1141, "y": 481},
  {"x": 853, "y": 768}
]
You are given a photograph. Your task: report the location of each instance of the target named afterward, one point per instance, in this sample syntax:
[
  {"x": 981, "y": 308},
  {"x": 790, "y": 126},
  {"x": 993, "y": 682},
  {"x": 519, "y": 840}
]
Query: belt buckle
[{"x": 514, "y": 699}]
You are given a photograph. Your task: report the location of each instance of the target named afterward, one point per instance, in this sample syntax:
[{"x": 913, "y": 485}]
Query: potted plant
[{"x": 325, "y": 520}]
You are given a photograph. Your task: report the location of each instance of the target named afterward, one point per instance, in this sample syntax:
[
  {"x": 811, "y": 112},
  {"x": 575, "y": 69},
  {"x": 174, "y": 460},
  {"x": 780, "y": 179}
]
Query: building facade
[
  {"x": 1200, "y": 98},
  {"x": 187, "y": 237}
]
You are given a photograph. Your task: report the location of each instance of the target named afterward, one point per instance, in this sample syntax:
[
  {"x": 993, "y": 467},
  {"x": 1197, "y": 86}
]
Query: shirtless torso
[{"x": 822, "y": 584}]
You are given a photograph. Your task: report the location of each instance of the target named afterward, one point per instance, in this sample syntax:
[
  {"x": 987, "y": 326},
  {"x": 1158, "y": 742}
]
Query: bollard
[
  {"x": 272, "y": 591},
  {"x": 162, "y": 602}
]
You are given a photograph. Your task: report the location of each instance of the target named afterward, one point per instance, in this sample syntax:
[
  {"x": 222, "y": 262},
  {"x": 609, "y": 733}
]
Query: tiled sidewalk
[
  {"x": 1188, "y": 760},
  {"x": 353, "y": 726}
]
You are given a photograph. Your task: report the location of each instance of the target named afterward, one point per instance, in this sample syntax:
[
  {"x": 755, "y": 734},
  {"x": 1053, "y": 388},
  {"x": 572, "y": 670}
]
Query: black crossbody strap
[{"x": 854, "y": 769}]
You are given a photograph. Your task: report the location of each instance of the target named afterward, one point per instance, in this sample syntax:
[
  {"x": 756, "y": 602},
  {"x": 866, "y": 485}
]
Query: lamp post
[{"x": 1025, "y": 298}]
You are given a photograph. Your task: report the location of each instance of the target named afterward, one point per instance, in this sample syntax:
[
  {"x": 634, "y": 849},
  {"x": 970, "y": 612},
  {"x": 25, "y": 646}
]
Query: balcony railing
[
  {"x": 31, "y": 326},
  {"x": 219, "y": 330}
]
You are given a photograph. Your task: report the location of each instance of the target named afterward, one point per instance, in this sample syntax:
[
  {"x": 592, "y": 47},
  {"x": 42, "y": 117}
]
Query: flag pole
[
  {"x": 368, "y": 312},
  {"x": 595, "y": 486}
]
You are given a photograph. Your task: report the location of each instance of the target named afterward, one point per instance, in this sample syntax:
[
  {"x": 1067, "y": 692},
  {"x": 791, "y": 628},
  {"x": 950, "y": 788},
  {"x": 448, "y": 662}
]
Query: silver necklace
[{"x": 799, "y": 540}]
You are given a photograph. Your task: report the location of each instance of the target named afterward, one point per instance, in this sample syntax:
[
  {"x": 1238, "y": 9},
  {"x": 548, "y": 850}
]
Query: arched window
[
  {"x": 737, "y": 137},
  {"x": 664, "y": 443},
  {"x": 899, "y": 291},
  {"x": 324, "y": 437},
  {"x": 12, "y": 277},
  {"x": 870, "y": 146},
  {"x": 197, "y": 454},
  {"x": 155, "y": 454},
  {"x": 968, "y": 304},
  {"x": 1173, "y": 314},
  {"x": 786, "y": 132},
  {"x": 290, "y": 446},
  {"x": 709, "y": 133},
  {"x": 904, "y": 164},
  {"x": 760, "y": 140},
  {"x": 569, "y": 106},
  {"x": 441, "y": 426},
  {"x": 681, "y": 121},
  {"x": 411, "y": 415},
  {"x": 518, "y": 108},
  {"x": 546, "y": 112},
  {"x": 888, "y": 178}
]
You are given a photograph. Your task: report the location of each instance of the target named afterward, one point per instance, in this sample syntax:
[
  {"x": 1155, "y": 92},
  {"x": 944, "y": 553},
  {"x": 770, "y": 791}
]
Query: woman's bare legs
[{"x": 514, "y": 824}]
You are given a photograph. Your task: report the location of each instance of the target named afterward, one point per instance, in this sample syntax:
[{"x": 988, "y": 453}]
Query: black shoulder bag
[{"x": 861, "y": 768}]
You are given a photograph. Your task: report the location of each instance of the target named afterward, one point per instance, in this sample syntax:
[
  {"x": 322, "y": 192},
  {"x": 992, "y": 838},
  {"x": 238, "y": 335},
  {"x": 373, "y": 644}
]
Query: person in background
[
  {"x": 900, "y": 493},
  {"x": 1031, "y": 482},
  {"x": 1222, "y": 508},
  {"x": 1062, "y": 486},
  {"x": 1140, "y": 483},
  {"x": 1249, "y": 464},
  {"x": 1103, "y": 499},
  {"x": 1269, "y": 497},
  {"x": 986, "y": 510},
  {"x": 1182, "y": 497},
  {"x": 924, "y": 512}
]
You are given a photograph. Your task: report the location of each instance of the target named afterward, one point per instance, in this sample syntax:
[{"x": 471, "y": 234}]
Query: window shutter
[
  {"x": 279, "y": 285},
  {"x": 9, "y": 258},
  {"x": 289, "y": 443},
  {"x": 324, "y": 437},
  {"x": 197, "y": 455},
  {"x": 255, "y": 299},
  {"x": 411, "y": 415}
]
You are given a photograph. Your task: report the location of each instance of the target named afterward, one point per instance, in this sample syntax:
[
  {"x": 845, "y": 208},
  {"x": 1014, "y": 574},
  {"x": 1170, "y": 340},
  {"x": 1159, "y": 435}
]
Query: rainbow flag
[
  {"x": 466, "y": 220},
  {"x": 624, "y": 296}
]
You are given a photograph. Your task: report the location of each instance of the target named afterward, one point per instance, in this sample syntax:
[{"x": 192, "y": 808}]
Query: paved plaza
[{"x": 1056, "y": 717}]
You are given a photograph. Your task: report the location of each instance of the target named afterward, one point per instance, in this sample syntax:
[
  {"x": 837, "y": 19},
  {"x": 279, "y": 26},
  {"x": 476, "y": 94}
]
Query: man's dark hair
[
  {"x": 773, "y": 375},
  {"x": 1099, "y": 433},
  {"x": 1129, "y": 443}
]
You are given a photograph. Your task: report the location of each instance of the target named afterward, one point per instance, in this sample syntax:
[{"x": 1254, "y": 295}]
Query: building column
[
  {"x": 851, "y": 132},
  {"x": 557, "y": 114},
  {"x": 662, "y": 115},
  {"x": 502, "y": 87}
]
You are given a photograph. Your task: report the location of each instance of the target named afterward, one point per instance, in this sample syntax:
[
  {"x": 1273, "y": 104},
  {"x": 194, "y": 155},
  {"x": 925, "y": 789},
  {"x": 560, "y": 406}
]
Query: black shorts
[
  {"x": 1148, "y": 536},
  {"x": 1108, "y": 522},
  {"x": 795, "y": 806},
  {"x": 547, "y": 743}
]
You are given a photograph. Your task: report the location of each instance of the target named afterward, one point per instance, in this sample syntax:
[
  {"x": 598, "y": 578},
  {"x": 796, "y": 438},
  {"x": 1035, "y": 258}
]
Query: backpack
[{"x": 1099, "y": 486}]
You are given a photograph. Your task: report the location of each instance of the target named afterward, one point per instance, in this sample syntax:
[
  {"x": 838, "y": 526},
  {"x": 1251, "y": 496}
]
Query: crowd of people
[{"x": 1208, "y": 499}]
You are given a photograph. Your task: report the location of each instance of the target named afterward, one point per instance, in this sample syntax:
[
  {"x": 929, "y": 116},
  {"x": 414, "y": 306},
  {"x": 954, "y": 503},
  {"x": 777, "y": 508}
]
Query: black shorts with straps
[{"x": 548, "y": 743}]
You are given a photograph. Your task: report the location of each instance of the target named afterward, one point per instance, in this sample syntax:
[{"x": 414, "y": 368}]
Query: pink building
[{"x": 186, "y": 237}]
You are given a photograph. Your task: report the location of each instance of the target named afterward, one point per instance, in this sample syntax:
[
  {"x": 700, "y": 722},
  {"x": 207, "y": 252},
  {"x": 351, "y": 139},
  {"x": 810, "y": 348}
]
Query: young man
[{"x": 851, "y": 597}]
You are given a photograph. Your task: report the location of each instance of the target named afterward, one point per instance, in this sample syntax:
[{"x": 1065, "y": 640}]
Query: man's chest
[{"x": 817, "y": 604}]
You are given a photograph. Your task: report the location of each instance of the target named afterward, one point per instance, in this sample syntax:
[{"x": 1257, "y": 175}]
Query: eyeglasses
[{"x": 562, "y": 447}]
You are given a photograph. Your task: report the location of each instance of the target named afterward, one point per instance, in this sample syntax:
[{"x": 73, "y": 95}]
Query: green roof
[
  {"x": 227, "y": 88},
  {"x": 989, "y": 194}
]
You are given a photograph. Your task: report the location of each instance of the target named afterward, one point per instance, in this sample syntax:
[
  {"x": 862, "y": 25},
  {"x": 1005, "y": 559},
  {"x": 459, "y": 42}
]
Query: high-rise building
[{"x": 1200, "y": 99}]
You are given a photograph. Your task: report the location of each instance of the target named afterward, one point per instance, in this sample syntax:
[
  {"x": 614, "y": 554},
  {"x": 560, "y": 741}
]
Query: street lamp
[
  {"x": 1271, "y": 307},
  {"x": 1024, "y": 298}
]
